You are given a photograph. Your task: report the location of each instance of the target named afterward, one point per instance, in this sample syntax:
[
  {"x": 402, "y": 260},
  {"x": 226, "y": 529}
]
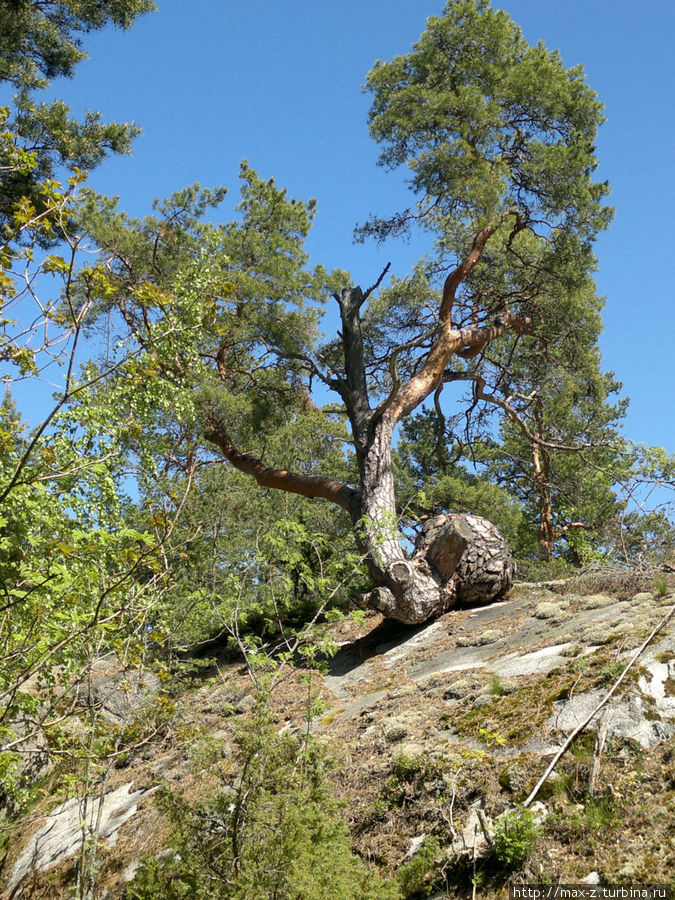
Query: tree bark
[
  {"x": 546, "y": 531},
  {"x": 457, "y": 559},
  {"x": 542, "y": 478},
  {"x": 267, "y": 476},
  {"x": 470, "y": 555},
  {"x": 406, "y": 588}
]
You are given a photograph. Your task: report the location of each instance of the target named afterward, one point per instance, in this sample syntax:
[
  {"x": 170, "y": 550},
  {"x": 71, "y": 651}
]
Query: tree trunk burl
[{"x": 469, "y": 556}]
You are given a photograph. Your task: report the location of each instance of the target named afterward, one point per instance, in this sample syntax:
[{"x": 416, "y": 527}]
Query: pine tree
[{"x": 499, "y": 140}]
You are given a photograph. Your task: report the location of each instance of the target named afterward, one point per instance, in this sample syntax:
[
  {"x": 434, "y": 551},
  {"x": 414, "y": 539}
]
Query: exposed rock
[
  {"x": 120, "y": 696},
  {"x": 473, "y": 840},
  {"x": 32, "y": 759},
  {"x": 570, "y": 714},
  {"x": 537, "y": 662},
  {"x": 645, "y": 715},
  {"x": 425, "y": 694},
  {"x": 415, "y": 844},
  {"x": 129, "y": 871},
  {"x": 61, "y": 835}
]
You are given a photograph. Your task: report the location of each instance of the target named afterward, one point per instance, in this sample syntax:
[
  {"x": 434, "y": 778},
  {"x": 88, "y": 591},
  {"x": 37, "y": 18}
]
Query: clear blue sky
[{"x": 214, "y": 81}]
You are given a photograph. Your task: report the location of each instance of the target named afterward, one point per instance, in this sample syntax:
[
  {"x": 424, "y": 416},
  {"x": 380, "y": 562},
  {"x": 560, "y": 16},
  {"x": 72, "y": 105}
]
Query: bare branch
[
  {"x": 393, "y": 370},
  {"x": 519, "y": 421},
  {"x": 354, "y": 390},
  {"x": 313, "y": 486},
  {"x": 449, "y": 342},
  {"x": 375, "y": 286}
]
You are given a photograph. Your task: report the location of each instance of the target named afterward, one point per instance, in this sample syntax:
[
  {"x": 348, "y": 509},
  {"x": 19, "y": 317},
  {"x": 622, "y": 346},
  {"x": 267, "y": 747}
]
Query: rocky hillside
[{"x": 439, "y": 734}]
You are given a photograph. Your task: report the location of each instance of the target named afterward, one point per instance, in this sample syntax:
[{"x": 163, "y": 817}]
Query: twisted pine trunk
[
  {"x": 404, "y": 589},
  {"x": 470, "y": 553},
  {"x": 465, "y": 558},
  {"x": 457, "y": 558}
]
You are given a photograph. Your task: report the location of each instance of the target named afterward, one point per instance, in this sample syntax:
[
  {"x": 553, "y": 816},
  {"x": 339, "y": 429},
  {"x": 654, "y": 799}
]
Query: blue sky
[{"x": 215, "y": 81}]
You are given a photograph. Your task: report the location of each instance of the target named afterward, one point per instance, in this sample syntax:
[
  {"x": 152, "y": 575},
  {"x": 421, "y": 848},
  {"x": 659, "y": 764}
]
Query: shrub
[
  {"x": 276, "y": 833},
  {"x": 661, "y": 586},
  {"x": 418, "y": 877},
  {"x": 516, "y": 834}
]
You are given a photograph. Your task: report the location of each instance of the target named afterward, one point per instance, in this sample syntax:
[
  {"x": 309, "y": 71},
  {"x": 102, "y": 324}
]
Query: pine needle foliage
[{"x": 272, "y": 833}]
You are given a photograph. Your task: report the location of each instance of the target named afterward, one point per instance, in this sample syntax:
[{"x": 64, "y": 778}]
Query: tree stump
[{"x": 469, "y": 556}]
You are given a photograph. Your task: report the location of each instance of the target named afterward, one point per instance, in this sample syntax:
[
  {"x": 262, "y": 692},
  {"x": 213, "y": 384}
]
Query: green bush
[
  {"x": 274, "y": 833},
  {"x": 418, "y": 877},
  {"x": 661, "y": 586},
  {"x": 516, "y": 834}
]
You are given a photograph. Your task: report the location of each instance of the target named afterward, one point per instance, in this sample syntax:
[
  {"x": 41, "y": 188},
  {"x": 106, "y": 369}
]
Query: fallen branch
[{"x": 568, "y": 743}]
